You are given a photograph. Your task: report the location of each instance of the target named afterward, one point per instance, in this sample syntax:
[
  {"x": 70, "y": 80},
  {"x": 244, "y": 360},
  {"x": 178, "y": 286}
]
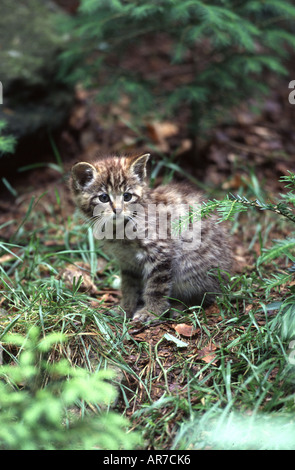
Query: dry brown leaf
[
  {"x": 160, "y": 131},
  {"x": 72, "y": 274},
  {"x": 207, "y": 354},
  {"x": 185, "y": 146},
  {"x": 235, "y": 182},
  {"x": 167, "y": 129},
  {"x": 5, "y": 258},
  {"x": 248, "y": 308},
  {"x": 81, "y": 93},
  {"x": 101, "y": 264},
  {"x": 212, "y": 309},
  {"x": 185, "y": 330},
  {"x": 263, "y": 131},
  {"x": 78, "y": 117},
  {"x": 240, "y": 262},
  {"x": 107, "y": 297}
]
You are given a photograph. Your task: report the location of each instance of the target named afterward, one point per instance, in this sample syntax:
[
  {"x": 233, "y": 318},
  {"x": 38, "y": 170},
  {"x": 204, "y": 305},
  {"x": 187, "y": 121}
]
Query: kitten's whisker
[
  {"x": 139, "y": 217},
  {"x": 98, "y": 216},
  {"x": 136, "y": 217},
  {"x": 99, "y": 220},
  {"x": 131, "y": 220},
  {"x": 138, "y": 214},
  {"x": 95, "y": 220}
]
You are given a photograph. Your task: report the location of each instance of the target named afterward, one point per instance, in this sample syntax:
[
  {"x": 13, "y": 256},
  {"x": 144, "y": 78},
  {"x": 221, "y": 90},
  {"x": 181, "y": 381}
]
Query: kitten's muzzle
[
  {"x": 116, "y": 207},
  {"x": 117, "y": 210}
]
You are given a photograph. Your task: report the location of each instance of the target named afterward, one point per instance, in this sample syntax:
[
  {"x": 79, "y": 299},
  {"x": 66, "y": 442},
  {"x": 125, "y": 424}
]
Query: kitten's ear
[
  {"x": 138, "y": 165},
  {"x": 83, "y": 174}
]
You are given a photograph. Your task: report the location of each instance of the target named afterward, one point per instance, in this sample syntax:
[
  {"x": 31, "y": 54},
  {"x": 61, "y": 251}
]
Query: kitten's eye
[
  {"x": 104, "y": 197},
  {"x": 127, "y": 197}
]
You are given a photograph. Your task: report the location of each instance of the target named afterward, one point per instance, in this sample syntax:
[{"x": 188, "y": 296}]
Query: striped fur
[{"x": 153, "y": 269}]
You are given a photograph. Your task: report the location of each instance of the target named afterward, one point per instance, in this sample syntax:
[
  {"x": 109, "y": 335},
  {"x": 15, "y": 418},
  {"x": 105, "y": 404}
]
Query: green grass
[{"x": 174, "y": 395}]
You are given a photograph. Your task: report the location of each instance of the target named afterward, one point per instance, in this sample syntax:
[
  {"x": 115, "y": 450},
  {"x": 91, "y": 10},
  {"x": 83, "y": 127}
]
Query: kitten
[{"x": 135, "y": 225}]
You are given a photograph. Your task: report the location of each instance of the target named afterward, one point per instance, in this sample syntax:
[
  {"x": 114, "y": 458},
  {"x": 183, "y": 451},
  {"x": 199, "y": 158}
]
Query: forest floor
[{"x": 172, "y": 369}]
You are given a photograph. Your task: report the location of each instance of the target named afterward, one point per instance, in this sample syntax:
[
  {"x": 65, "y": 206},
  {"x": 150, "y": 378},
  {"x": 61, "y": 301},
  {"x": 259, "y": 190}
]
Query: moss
[
  {"x": 28, "y": 40},
  {"x": 33, "y": 98}
]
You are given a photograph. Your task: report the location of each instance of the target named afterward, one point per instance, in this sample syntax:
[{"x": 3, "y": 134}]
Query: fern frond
[
  {"x": 277, "y": 280},
  {"x": 7, "y": 142},
  {"x": 290, "y": 179},
  {"x": 281, "y": 247}
]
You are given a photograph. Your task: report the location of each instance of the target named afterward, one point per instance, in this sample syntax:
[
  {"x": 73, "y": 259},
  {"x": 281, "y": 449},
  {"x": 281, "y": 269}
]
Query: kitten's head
[{"x": 110, "y": 185}]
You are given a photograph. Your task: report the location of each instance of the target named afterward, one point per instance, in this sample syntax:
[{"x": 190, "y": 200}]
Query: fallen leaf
[
  {"x": 263, "y": 131},
  {"x": 207, "y": 354},
  {"x": 160, "y": 131},
  {"x": 185, "y": 330},
  {"x": 5, "y": 258},
  {"x": 212, "y": 309},
  {"x": 71, "y": 274},
  {"x": 185, "y": 146},
  {"x": 140, "y": 337},
  {"x": 178, "y": 342},
  {"x": 101, "y": 264},
  {"x": 107, "y": 297},
  {"x": 248, "y": 308},
  {"x": 235, "y": 182},
  {"x": 78, "y": 117}
]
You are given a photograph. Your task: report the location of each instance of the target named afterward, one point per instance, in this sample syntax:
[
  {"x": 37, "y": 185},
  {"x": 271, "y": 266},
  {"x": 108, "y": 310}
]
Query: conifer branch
[{"x": 279, "y": 208}]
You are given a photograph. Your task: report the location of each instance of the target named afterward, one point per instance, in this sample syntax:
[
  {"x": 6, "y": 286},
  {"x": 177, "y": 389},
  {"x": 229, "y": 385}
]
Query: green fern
[
  {"x": 277, "y": 280},
  {"x": 243, "y": 39},
  {"x": 280, "y": 248},
  {"x": 7, "y": 142},
  {"x": 38, "y": 400}
]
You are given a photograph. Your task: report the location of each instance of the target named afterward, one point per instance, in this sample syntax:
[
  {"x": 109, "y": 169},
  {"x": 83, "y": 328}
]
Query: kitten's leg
[
  {"x": 131, "y": 291},
  {"x": 158, "y": 286}
]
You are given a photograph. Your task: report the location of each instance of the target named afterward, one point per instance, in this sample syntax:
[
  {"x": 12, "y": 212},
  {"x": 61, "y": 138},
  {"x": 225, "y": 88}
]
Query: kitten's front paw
[
  {"x": 128, "y": 308},
  {"x": 120, "y": 310},
  {"x": 143, "y": 316}
]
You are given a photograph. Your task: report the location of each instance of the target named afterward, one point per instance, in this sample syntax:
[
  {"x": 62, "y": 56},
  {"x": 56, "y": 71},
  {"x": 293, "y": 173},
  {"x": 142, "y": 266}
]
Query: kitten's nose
[{"x": 117, "y": 210}]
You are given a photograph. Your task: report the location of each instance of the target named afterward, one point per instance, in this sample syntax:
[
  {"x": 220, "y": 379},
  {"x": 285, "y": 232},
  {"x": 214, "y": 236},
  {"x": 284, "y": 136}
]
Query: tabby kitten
[{"x": 156, "y": 264}]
